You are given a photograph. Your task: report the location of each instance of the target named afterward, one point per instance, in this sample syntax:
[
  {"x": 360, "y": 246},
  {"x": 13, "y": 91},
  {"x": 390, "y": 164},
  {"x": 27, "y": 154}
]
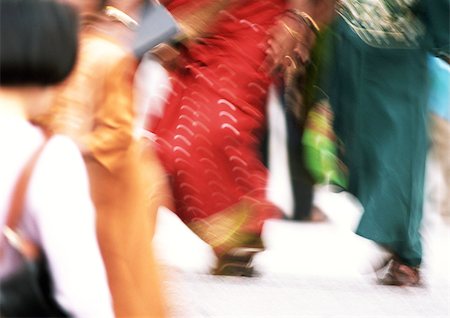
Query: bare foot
[{"x": 317, "y": 215}]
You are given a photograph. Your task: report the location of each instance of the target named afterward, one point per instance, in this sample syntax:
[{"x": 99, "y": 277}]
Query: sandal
[
  {"x": 237, "y": 262},
  {"x": 398, "y": 274}
]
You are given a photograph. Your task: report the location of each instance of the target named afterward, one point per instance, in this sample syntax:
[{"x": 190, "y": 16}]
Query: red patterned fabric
[{"x": 209, "y": 137}]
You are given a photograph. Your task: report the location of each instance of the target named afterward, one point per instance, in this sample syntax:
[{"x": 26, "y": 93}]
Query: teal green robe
[{"x": 376, "y": 83}]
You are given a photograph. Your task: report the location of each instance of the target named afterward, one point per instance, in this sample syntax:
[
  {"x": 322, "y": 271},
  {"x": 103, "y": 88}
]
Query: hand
[
  {"x": 166, "y": 54},
  {"x": 289, "y": 41}
]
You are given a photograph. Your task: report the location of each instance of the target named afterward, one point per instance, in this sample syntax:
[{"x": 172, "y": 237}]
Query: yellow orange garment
[{"x": 95, "y": 107}]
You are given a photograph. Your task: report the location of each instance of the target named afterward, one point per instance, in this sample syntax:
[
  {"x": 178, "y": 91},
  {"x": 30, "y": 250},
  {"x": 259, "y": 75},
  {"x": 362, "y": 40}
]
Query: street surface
[{"x": 308, "y": 270}]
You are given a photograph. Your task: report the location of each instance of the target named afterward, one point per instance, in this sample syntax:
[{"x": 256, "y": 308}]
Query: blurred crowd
[{"x": 98, "y": 133}]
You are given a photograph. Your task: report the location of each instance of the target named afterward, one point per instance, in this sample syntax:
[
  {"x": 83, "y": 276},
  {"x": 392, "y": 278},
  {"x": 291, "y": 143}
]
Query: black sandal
[{"x": 237, "y": 262}]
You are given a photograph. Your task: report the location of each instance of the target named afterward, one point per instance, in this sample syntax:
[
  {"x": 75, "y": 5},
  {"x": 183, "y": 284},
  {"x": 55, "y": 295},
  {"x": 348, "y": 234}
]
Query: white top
[
  {"x": 58, "y": 215},
  {"x": 151, "y": 89}
]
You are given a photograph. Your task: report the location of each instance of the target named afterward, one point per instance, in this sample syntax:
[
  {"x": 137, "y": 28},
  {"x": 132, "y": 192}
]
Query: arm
[
  {"x": 436, "y": 16},
  {"x": 198, "y": 19},
  {"x": 195, "y": 20},
  {"x": 65, "y": 217},
  {"x": 322, "y": 11},
  {"x": 293, "y": 36},
  {"x": 114, "y": 116}
]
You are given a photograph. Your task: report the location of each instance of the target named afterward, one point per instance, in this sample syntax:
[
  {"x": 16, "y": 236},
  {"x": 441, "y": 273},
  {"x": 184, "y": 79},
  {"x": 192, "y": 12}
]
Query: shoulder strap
[{"x": 18, "y": 197}]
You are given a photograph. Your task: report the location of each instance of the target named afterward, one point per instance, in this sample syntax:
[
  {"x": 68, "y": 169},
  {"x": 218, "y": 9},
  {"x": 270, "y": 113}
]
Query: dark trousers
[{"x": 301, "y": 182}]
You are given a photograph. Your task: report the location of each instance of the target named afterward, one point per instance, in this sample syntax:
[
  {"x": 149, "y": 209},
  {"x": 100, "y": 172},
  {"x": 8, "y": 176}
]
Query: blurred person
[
  {"x": 95, "y": 107},
  {"x": 292, "y": 89},
  {"x": 210, "y": 132},
  {"x": 375, "y": 81},
  {"x": 439, "y": 106},
  {"x": 38, "y": 48},
  {"x": 282, "y": 155},
  {"x": 301, "y": 180}
]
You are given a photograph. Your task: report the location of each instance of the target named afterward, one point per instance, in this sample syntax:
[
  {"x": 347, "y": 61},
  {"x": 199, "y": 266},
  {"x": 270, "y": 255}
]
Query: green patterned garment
[
  {"x": 384, "y": 23},
  {"x": 374, "y": 77}
]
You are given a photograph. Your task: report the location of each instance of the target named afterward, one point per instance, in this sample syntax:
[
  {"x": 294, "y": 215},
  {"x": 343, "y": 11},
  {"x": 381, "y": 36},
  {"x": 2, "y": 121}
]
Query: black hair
[{"x": 38, "y": 42}]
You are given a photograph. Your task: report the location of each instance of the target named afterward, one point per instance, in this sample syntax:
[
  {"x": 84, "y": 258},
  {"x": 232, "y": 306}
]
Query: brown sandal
[{"x": 398, "y": 274}]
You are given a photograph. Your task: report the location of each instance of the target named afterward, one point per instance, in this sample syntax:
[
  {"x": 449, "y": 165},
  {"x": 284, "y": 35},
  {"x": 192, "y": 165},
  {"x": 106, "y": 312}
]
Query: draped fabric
[
  {"x": 378, "y": 90},
  {"x": 95, "y": 107},
  {"x": 209, "y": 136}
]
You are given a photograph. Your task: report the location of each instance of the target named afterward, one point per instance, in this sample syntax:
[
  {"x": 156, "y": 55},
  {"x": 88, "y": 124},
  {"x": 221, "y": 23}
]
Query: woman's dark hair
[{"x": 38, "y": 42}]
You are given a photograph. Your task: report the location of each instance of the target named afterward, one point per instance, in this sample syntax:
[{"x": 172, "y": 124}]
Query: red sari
[{"x": 209, "y": 136}]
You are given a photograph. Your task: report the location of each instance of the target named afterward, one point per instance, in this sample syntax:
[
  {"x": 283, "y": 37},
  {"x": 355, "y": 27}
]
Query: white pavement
[{"x": 308, "y": 270}]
